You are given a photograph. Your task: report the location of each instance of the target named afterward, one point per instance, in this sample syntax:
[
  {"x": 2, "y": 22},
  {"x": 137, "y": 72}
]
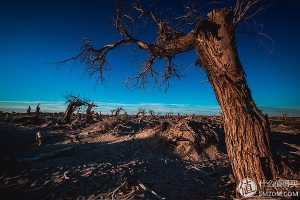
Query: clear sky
[{"x": 36, "y": 33}]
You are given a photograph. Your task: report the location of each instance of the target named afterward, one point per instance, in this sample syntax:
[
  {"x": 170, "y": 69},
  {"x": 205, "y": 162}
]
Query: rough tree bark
[
  {"x": 69, "y": 111},
  {"x": 247, "y": 130},
  {"x": 89, "y": 113}
]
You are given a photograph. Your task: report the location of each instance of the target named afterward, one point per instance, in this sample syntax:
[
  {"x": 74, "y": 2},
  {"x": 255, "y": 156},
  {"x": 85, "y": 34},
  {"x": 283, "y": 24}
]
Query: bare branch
[
  {"x": 145, "y": 70},
  {"x": 123, "y": 31},
  {"x": 242, "y": 13},
  {"x": 168, "y": 44},
  {"x": 138, "y": 7},
  {"x": 192, "y": 14},
  {"x": 257, "y": 36},
  {"x": 95, "y": 59},
  {"x": 242, "y": 8}
]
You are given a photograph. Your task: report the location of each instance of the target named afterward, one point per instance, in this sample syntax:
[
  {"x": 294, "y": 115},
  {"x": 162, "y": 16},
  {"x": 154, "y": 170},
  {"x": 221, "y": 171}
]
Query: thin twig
[
  {"x": 196, "y": 168},
  {"x": 113, "y": 194},
  {"x": 151, "y": 191}
]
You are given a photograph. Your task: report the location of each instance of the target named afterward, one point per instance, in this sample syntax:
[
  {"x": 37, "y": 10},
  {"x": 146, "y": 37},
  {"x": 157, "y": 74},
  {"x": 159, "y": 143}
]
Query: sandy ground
[{"x": 118, "y": 158}]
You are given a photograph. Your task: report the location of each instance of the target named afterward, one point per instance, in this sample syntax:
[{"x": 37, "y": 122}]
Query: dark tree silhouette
[
  {"x": 151, "y": 112},
  {"x": 89, "y": 112},
  {"x": 213, "y": 38},
  {"x": 37, "y": 111},
  {"x": 118, "y": 110},
  {"x": 28, "y": 109},
  {"x": 74, "y": 102},
  {"x": 142, "y": 112}
]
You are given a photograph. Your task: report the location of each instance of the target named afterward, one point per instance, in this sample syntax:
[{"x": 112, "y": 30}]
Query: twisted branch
[
  {"x": 168, "y": 44},
  {"x": 242, "y": 8}
]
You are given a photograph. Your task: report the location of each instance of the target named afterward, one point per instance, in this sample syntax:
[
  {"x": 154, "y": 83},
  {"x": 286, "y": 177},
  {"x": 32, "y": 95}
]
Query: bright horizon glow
[{"x": 105, "y": 107}]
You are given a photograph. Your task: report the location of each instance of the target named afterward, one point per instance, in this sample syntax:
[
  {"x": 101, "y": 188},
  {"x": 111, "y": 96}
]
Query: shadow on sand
[{"x": 103, "y": 169}]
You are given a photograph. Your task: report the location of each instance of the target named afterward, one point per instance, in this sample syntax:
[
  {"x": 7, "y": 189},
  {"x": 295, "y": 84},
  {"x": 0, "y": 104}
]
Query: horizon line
[{"x": 163, "y": 108}]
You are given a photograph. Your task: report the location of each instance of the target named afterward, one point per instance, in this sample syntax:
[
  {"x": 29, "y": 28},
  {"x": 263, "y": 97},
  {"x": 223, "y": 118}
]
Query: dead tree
[
  {"x": 142, "y": 112},
  {"x": 140, "y": 115},
  {"x": 151, "y": 112},
  {"x": 113, "y": 111},
  {"x": 28, "y": 110},
  {"x": 118, "y": 110},
  {"x": 169, "y": 114},
  {"x": 37, "y": 111},
  {"x": 89, "y": 112},
  {"x": 284, "y": 116},
  {"x": 74, "y": 102},
  {"x": 213, "y": 38}
]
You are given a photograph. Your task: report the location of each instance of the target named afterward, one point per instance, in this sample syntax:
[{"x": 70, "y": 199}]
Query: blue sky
[{"x": 37, "y": 33}]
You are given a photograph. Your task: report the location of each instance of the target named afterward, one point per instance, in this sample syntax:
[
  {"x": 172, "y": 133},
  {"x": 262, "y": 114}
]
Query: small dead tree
[
  {"x": 113, "y": 111},
  {"x": 37, "y": 111},
  {"x": 74, "y": 102},
  {"x": 142, "y": 112},
  {"x": 151, "y": 112},
  {"x": 284, "y": 116},
  {"x": 118, "y": 110},
  {"x": 169, "y": 114},
  {"x": 89, "y": 112},
  {"x": 28, "y": 110}
]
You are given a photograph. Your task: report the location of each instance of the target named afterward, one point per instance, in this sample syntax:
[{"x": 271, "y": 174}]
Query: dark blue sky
[{"x": 34, "y": 33}]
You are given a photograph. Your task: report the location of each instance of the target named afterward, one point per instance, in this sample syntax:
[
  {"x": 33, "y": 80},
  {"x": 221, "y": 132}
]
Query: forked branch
[
  {"x": 169, "y": 42},
  {"x": 242, "y": 7},
  {"x": 95, "y": 60}
]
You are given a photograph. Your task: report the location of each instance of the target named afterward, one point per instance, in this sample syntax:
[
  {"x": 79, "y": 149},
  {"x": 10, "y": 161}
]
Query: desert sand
[{"x": 125, "y": 157}]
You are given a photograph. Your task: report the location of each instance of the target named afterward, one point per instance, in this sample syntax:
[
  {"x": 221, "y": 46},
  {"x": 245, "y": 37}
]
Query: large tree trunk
[{"x": 247, "y": 130}]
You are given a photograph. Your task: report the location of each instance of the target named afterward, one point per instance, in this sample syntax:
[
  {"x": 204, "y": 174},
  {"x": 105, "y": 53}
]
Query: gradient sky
[{"x": 36, "y": 33}]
